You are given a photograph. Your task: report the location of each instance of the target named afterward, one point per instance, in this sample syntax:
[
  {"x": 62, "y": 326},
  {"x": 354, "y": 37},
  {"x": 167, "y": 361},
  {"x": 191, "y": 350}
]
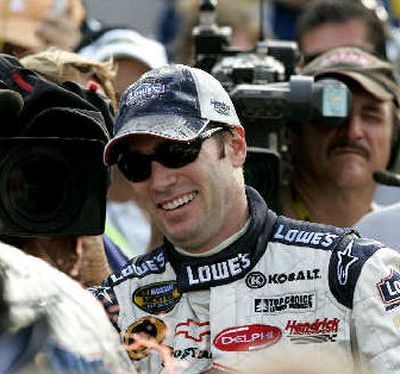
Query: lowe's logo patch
[
  {"x": 293, "y": 236},
  {"x": 389, "y": 289},
  {"x": 144, "y": 91}
]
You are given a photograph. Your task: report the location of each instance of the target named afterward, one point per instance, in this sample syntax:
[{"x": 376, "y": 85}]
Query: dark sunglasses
[{"x": 136, "y": 167}]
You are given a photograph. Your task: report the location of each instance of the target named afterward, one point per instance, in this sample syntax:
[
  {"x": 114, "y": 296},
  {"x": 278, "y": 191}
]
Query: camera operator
[
  {"x": 52, "y": 177},
  {"x": 231, "y": 276},
  {"x": 333, "y": 165}
]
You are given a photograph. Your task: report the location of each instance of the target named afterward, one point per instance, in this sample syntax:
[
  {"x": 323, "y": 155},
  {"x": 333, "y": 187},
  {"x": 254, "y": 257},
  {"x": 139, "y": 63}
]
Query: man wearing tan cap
[
  {"x": 29, "y": 26},
  {"x": 333, "y": 167}
]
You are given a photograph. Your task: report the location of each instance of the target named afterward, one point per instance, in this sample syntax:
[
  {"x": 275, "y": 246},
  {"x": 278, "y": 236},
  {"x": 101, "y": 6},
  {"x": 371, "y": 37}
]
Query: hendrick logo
[
  {"x": 220, "y": 270},
  {"x": 220, "y": 107},
  {"x": 247, "y": 338},
  {"x": 256, "y": 279},
  {"x": 293, "y": 236},
  {"x": 389, "y": 289},
  {"x": 287, "y": 303},
  {"x": 318, "y": 331}
]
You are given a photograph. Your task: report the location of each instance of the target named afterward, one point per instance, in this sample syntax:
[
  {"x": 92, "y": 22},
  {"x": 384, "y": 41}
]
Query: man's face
[
  {"x": 335, "y": 34},
  {"x": 193, "y": 206},
  {"x": 347, "y": 155}
]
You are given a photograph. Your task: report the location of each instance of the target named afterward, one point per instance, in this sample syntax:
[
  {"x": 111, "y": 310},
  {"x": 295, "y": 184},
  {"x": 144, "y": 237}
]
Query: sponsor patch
[
  {"x": 284, "y": 234},
  {"x": 193, "y": 330},
  {"x": 318, "y": 331},
  {"x": 301, "y": 275},
  {"x": 346, "y": 259},
  {"x": 157, "y": 298},
  {"x": 256, "y": 279},
  {"x": 286, "y": 303},
  {"x": 220, "y": 270},
  {"x": 148, "y": 328},
  {"x": 389, "y": 289},
  {"x": 220, "y": 107},
  {"x": 247, "y": 338},
  {"x": 193, "y": 353},
  {"x": 149, "y": 264},
  {"x": 144, "y": 92}
]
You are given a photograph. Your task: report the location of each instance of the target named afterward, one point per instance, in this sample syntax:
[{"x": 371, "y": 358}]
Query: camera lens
[{"x": 37, "y": 187}]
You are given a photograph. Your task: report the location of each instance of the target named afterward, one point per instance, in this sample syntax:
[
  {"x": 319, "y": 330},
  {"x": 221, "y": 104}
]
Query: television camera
[{"x": 268, "y": 96}]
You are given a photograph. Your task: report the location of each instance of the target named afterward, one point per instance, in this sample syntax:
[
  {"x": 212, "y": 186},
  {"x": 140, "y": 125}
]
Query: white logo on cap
[
  {"x": 17, "y": 6},
  {"x": 349, "y": 57},
  {"x": 145, "y": 91}
]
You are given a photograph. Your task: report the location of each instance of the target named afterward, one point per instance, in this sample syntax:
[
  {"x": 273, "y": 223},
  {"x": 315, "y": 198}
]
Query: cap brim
[
  {"x": 371, "y": 86},
  {"x": 168, "y": 126}
]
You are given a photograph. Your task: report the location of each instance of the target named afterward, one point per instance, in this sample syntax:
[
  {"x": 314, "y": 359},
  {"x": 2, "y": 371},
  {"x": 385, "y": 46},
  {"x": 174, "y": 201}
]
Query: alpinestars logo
[{"x": 346, "y": 259}]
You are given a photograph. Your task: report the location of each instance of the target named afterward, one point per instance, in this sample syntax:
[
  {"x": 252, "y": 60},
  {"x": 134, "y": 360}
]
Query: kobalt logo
[
  {"x": 300, "y": 275},
  {"x": 256, "y": 279},
  {"x": 247, "y": 338},
  {"x": 304, "y": 237},
  {"x": 221, "y": 270}
]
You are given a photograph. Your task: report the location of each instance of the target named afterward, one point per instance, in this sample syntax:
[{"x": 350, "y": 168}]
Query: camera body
[
  {"x": 269, "y": 98},
  {"x": 51, "y": 186},
  {"x": 53, "y": 181}
]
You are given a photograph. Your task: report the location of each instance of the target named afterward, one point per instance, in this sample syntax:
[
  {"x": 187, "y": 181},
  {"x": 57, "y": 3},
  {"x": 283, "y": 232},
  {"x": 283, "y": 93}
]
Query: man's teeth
[{"x": 179, "y": 202}]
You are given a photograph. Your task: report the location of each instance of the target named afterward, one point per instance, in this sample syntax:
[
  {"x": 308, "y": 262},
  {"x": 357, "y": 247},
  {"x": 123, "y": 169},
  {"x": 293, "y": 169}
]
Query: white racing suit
[{"x": 283, "y": 282}]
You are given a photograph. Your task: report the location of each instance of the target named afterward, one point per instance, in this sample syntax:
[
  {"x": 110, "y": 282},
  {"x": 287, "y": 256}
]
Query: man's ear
[{"x": 237, "y": 146}]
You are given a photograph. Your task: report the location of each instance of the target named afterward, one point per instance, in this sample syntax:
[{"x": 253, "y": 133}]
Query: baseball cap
[
  {"x": 376, "y": 76},
  {"x": 126, "y": 43},
  {"x": 21, "y": 19},
  {"x": 174, "y": 102}
]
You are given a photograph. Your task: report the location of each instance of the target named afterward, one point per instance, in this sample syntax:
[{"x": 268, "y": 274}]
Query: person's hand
[{"x": 82, "y": 258}]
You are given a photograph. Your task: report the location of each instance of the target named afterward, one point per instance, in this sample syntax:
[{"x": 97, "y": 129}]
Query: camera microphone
[
  {"x": 387, "y": 178},
  {"x": 11, "y": 103}
]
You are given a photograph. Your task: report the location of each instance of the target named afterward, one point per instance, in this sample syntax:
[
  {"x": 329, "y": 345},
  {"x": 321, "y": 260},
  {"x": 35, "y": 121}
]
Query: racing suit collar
[{"x": 234, "y": 261}]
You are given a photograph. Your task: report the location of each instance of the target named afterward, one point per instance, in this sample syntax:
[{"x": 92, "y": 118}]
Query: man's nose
[
  {"x": 162, "y": 177},
  {"x": 353, "y": 127}
]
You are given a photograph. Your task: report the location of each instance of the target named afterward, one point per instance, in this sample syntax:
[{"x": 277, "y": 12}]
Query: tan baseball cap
[
  {"x": 376, "y": 76},
  {"x": 20, "y": 19}
]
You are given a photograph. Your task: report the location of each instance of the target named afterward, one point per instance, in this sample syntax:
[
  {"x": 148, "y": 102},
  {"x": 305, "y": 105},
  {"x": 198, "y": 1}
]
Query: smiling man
[
  {"x": 231, "y": 277},
  {"x": 333, "y": 166}
]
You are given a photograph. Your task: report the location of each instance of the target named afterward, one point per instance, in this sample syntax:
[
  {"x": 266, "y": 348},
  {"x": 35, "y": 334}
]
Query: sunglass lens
[
  {"x": 176, "y": 155},
  {"x": 135, "y": 166}
]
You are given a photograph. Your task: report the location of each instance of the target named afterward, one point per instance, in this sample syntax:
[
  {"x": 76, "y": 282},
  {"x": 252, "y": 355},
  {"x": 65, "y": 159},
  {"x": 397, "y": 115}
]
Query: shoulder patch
[
  {"x": 346, "y": 264},
  {"x": 139, "y": 267},
  {"x": 306, "y": 234}
]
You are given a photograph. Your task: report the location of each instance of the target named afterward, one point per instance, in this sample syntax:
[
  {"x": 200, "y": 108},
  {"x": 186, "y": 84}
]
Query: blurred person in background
[
  {"x": 50, "y": 324},
  {"x": 133, "y": 54},
  {"x": 240, "y": 15},
  {"x": 328, "y": 24},
  {"x": 28, "y": 26}
]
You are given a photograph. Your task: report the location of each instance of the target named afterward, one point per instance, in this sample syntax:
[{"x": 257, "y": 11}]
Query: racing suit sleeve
[{"x": 376, "y": 312}]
